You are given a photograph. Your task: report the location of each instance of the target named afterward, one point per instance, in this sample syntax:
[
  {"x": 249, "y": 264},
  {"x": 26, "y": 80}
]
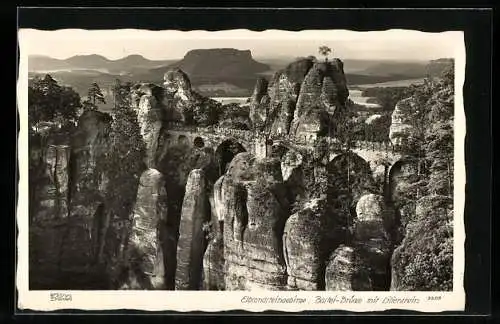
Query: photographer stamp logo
[{"x": 60, "y": 297}]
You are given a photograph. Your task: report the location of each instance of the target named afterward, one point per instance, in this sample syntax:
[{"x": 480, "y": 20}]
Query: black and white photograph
[{"x": 277, "y": 162}]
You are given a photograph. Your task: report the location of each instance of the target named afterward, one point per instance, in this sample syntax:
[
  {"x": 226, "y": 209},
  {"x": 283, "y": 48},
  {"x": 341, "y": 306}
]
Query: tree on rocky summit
[
  {"x": 325, "y": 51},
  {"x": 94, "y": 97}
]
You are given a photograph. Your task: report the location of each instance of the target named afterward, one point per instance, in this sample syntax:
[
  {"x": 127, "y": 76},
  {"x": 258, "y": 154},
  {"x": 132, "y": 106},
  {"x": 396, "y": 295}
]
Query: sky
[{"x": 159, "y": 45}]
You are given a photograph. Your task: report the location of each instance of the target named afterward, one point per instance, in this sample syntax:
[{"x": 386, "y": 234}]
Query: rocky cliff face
[
  {"x": 192, "y": 240},
  {"x": 346, "y": 271},
  {"x": 145, "y": 249},
  {"x": 255, "y": 212},
  {"x": 325, "y": 89},
  {"x": 150, "y": 119},
  {"x": 302, "y": 245},
  {"x": 213, "y": 261},
  {"x": 178, "y": 95},
  {"x": 372, "y": 239},
  {"x": 258, "y": 104},
  {"x": 401, "y": 130},
  {"x": 53, "y": 183},
  {"x": 301, "y": 99}
]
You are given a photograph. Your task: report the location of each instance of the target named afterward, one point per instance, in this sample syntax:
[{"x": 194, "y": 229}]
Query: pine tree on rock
[
  {"x": 94, "y": 97},
  {"x": 325, "y": 51}
]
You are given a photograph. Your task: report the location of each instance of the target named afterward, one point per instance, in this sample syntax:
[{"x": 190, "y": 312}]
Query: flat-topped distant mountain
[
  {"x": 96, "y": 62},
  {"x": 215, "y": 66},
  {"x": 219, "y": 62}
]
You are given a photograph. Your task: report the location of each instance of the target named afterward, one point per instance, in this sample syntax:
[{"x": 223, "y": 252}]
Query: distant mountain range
[
  {"x": 94, "y": 62},
  {"x": 223, "y": 72}
]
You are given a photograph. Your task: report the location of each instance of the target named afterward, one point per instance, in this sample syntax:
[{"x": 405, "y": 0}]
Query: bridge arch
[
  {"x": 226, "y": 151},
  {"x": 403, "y": 170},
  {"x": 198, "y": 142},
  {"x": 349, "y": 175}
]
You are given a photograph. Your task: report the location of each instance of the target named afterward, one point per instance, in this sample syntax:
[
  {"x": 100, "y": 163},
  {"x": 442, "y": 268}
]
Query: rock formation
[
  {"x": 149, "y": 116},
  {"x": 290, "y": 161},
  {"x": 401, "y": 129},
  {"x": 275, "y": 102},
  {"x": 301, "y": 99},
  {"x": 349, "y": 176},
  {"x": 52, "y": 189},
  {"x": 255, "y": 213},
  {"x": 213, "y": 261},
  {"x": 267, "y": 208},
  {"x": 372, "y": 238},
  {"x": 302, "y": 247},
  {"x": 258, "y": 104},
  {"x": 346, "y": 272},
  {"x": 192, "y": 240},
  {"x": 235, "y": 222},
  {"x": 178, "y": 95},
  {"x": 402, "y": 174},
  {"x": 372, "y": 208},
  {"x": 218, "y": 200},
  {"x": 145, "y": 251},
  {"x": 326, "y": 82}
]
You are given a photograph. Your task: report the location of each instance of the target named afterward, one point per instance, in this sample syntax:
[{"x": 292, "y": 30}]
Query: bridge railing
[
  {"x": 238, "y": 133},
  {"x": 300, "y": 140},
  {"x": 375, "y": 146}
]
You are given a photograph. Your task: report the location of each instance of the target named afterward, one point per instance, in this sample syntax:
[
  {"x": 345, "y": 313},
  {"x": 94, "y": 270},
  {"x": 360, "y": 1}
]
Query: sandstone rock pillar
[
  {"x": 145, "y": 248},
  {"x": 213, "y": 260},
  {"x": 192, "y": 237},
  {"x": 345, "y": 272},
  {"x": 372, "y": 239},
  {"x": 302, "y": 248},
  {"x": 53, "y": 195},
  {"x": 149, "y": 118},
  {"x": 262, "y": 240}
]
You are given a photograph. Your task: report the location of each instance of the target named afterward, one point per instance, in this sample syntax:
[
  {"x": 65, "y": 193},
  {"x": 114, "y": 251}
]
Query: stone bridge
[
  {"x": 378, "y": 154},
  {"x": 209, "y": 137},
  {"x": 375, "y": 153}
]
